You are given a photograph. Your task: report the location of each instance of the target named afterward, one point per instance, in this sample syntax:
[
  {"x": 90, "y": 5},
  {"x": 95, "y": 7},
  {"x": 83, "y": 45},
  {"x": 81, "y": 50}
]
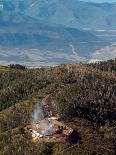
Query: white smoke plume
[
  {"x": 38, "y": 117},
  {"x": 37, "y": 114},
  {"x": 47, "y": 127}
]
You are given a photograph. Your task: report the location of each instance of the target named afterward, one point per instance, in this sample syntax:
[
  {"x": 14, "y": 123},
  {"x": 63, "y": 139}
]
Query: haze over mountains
[{"x": 71, "y": 30}]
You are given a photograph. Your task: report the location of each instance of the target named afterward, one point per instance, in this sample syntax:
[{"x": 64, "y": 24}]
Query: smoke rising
[
  {"x": 38, "y": 117},
  {"x": 47, "y": 127},
  {"x": 37, "y": 114}
]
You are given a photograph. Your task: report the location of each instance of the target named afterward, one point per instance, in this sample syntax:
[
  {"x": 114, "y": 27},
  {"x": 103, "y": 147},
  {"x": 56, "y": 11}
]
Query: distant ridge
[
  {"x": 79, "y": 14},
  {"x": 48, "y": 32}
]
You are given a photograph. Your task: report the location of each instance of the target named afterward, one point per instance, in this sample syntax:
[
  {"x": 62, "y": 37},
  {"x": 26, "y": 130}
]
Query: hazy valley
[{"x": 41, "y": 26}]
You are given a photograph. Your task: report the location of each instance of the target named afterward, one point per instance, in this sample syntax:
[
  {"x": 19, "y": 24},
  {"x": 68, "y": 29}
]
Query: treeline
[
  {"x": 109, "y": 65},
  {"x": 17, "y": 66}
]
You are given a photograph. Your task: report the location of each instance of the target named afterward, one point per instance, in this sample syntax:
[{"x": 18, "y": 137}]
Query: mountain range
[
  {"x": 75, "y": 13},
  {"x": 57, "y": 26}
]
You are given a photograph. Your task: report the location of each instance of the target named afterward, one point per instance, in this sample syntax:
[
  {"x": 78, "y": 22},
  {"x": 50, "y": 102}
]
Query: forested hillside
[
  {"x": 109, "y": 66},
  {"x": 85, "y": 100}
]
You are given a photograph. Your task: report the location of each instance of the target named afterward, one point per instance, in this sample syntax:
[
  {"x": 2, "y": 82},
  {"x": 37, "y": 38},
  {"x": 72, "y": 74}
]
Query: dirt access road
[{"x": 48, "y": 104}]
